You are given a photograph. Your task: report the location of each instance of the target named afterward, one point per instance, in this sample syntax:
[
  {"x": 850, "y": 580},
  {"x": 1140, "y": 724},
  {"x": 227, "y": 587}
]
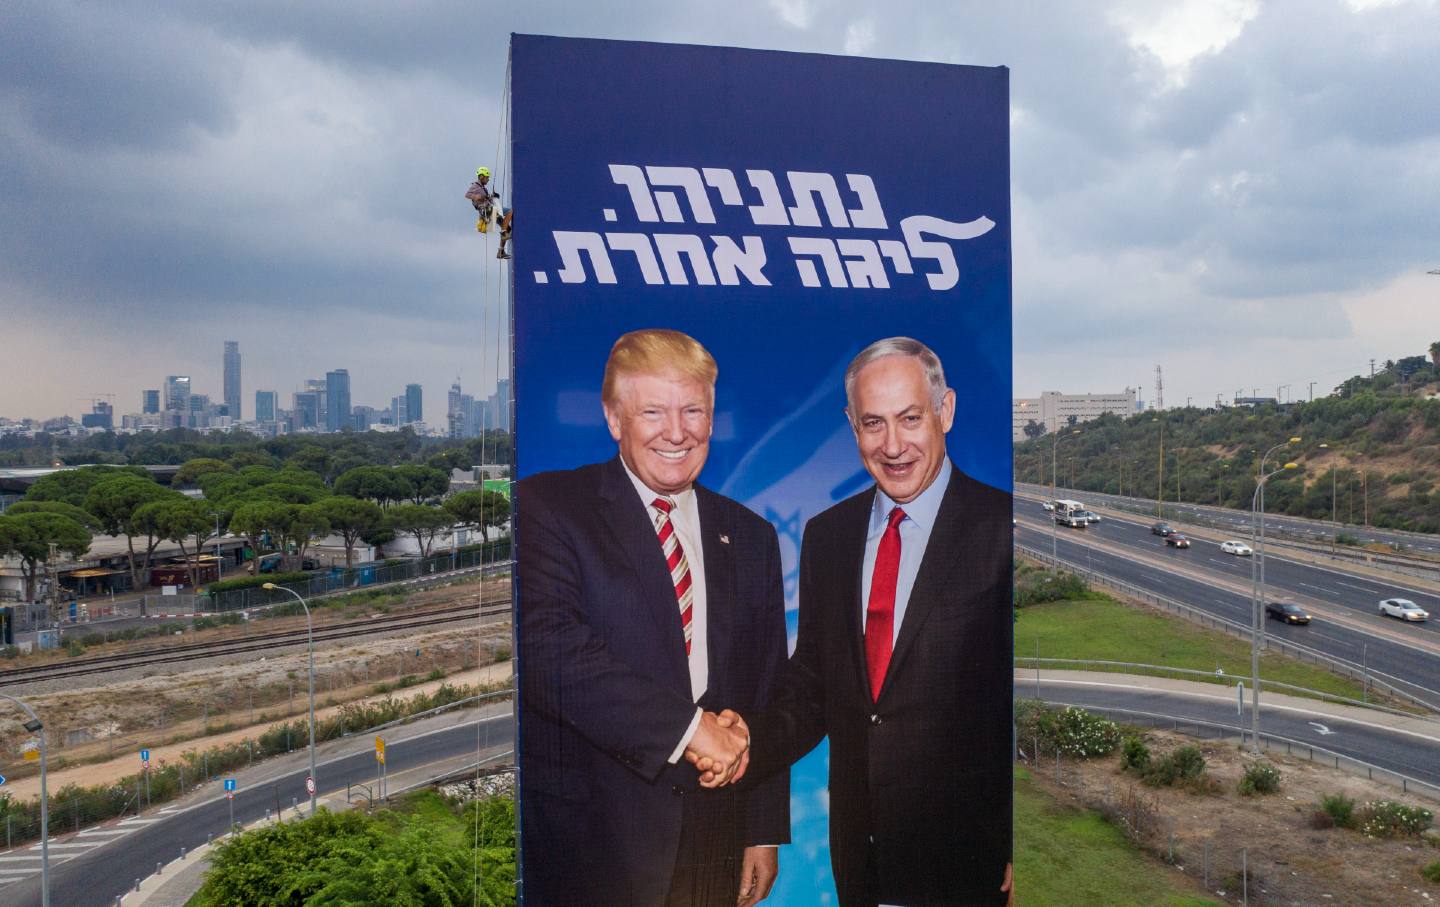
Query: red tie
[
  {"x": 880, "y": 613},
  {"x": 679, "y": 567}
]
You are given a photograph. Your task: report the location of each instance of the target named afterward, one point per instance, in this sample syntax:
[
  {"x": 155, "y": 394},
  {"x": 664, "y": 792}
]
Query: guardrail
[
  {"x": 1406, "y": 783},
  {"x": 1410, "y": 692}
]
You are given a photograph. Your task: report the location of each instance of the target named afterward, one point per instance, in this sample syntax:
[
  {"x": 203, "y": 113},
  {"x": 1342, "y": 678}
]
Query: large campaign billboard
[{"x": 777, "y": 214}]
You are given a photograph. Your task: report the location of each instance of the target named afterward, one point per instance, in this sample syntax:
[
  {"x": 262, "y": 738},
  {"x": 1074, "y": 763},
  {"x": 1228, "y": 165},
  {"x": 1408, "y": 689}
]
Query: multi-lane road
[
  {"x": 90, "y": 869},
  {"x": 1347, "y": 624}
]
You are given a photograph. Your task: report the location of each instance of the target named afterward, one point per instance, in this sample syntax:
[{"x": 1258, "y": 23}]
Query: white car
[
  {"x": 1236, "y": 547},
  {"x": 1404, "y": 609},
  {"x": 1048, "y": 505}
]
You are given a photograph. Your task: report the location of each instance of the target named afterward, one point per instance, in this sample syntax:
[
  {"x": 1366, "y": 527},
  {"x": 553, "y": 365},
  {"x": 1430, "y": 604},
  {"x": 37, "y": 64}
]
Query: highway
[
  {"x": 1346, "y": 622},
  {"x": 1239, "y": 520},
  {"x": 90, "y": 869}
]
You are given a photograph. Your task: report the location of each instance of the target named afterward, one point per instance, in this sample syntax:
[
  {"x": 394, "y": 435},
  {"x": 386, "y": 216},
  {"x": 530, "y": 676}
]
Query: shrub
[
  {"x": 1072, "y": 731},
  {"x": 1388, "y": 819},
  {"x": 250, "y": 582},
  {"x": 1134, "y": 755},
  {"x": 1432, "y": 872},
  {"x": 1183, "y": 766},
  {"x": 1034, "y": 586},
  {"x": 1340, "y": 809},
  {"x": 74, "y": 647},
  {"x": 1260, "y": 778}
]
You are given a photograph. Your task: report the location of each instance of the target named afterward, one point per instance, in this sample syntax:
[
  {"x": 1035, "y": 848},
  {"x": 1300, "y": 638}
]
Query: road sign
[
  {"x": 310, "y": 786},
  {"x": 2, "y": 779},
  {"x": 145, "y": 756},
  {"x": 230, "y": 795},
  {"x": 30, "y": 751},
  {"x": 230, "y": 784},
  {"x": 380, "y": 750}
]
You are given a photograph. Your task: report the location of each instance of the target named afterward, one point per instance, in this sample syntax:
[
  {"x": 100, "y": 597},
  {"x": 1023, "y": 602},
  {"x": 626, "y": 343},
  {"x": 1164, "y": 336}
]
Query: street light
[
  {"x": 314, "y": 784},
  {"x": 1257, "y": 581},
  {"x": 35, "y": 726}
]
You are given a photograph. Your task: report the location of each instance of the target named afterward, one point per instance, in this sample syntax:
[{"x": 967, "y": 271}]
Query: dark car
[
  {"x": 1290, "y": 614},
  {"x": 1176, "y": 540},
  {"x": 1161, "y": 529}
]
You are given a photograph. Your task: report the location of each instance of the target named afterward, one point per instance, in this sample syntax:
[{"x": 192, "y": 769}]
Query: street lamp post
[
  {"x": 35, "y": 726},
  {"x": 1054, "y": 543},
  {"x": 1257, "y": 582},
  {"x": 314, "y": 784}
]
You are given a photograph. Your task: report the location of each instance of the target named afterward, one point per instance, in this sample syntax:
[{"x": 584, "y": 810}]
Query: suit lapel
[
  {"x": 942, "y": 553},
  {"x": 720, "y": 617},
  {"x": 628, "y": 521},
  {"x": 850, "y": 549}
]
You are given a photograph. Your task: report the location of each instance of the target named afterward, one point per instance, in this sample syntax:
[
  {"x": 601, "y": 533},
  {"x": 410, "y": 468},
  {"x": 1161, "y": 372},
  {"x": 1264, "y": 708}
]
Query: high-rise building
[
  {"x": 232, "y": 379},
  {"x": 151, "y": 402},
  {"x": 101, "y": 415},
  {"x": 414, "y": 405},
  {"x": 177, "y": 394},
  {"x": 337, "y": 400},
  {"x": 362, "y": 417},
  {"x": 306, "y": 409},
  {"x": 500, "y": 405},
  {"x": 265, "y": 405},
  {"x": 397, "y": 411}
]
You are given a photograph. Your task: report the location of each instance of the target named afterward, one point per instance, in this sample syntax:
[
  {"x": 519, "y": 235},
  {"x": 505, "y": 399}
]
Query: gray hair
[{"x": 897, "y": 346}]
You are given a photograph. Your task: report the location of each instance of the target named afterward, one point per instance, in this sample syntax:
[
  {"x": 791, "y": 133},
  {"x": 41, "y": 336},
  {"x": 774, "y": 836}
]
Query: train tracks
[{"x": 259, "y": 642}]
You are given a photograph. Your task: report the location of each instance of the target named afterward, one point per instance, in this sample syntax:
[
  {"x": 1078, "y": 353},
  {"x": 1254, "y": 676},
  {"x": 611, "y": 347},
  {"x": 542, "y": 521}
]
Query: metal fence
[
  {"x": 1388, "y": 683},
  {"x": 340, "y": 580}
]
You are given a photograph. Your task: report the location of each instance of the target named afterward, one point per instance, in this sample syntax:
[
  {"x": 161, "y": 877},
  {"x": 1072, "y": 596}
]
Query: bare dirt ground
[
  {"x": 94, "y": 731},
  {"x": 1290, "y": 862}
]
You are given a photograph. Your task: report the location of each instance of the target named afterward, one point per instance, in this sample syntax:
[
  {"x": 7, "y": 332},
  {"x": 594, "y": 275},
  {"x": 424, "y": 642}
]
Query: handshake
[{"x": 720, "y": 748}]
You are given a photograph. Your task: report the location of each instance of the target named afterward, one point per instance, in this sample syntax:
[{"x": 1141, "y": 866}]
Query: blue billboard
[{"x": 785, "y": 211}]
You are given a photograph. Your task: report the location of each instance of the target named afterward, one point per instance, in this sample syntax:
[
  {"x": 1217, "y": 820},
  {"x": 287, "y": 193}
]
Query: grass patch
[
  {"x": 1066, "y": 856},
  {"x": 1103, "y": 629}
]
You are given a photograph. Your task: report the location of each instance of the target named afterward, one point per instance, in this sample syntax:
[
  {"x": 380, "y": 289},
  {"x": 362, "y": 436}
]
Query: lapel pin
[{"x": 724, "y": 539}]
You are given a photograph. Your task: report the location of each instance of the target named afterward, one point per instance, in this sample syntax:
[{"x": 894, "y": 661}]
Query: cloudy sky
[{"x": 1245, "y": 193}]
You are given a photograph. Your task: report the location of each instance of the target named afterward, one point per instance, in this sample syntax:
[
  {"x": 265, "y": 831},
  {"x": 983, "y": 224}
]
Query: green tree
[
  {"x": 374, "y": 483},
  {"x": 191, "y": 471},
  {"x": 79, "y": 515},
  {"x": 29, "y": 536},
  {"x": 187, "y": 523},
  {"x": 426, "y": 483},
  {"x": 114, "y": 503},
  {"x": 71, "y": 485},
  {"x": 421, "y": 522},
  {"x": 480, "y": 508},
  {"x": 351, "y": 519},
  {"x": 256, "y": 519}
]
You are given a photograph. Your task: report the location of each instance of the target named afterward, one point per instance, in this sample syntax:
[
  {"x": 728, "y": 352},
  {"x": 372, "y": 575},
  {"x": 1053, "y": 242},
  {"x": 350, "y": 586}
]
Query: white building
[{"x": 1052, "y": 409}]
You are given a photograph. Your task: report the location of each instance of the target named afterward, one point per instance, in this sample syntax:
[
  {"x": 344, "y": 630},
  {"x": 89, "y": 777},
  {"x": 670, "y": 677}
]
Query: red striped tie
[
  {"x": 880, "y": 612},
  {"x": 679, "y": 566}
]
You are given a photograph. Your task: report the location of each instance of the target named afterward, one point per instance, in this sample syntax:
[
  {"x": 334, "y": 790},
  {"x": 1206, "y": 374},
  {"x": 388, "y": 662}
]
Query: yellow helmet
[{"x": 483, "y": 171}]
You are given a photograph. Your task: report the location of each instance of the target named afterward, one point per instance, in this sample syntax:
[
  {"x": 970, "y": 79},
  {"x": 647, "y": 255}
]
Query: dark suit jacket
[
  {"x": 604, "y": 686},
  {"x": 924, "y": 772}
]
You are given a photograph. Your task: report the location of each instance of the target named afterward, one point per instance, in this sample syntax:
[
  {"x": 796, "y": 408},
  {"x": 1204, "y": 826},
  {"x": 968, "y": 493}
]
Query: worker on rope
[{"x": 487, "y": 207}]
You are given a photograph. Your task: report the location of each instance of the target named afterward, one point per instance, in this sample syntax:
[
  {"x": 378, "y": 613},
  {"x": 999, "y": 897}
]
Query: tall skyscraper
[
  {"x": 151, "y": 402},
  {"x": 177, "y": 401},
  {"x": 337, "y": 400},
  {"x": 306, "y": 409},
  {"x": 232, "y": 379},
  {"x": 265, "y": 404},
  {"x": 414, "y": 408}
]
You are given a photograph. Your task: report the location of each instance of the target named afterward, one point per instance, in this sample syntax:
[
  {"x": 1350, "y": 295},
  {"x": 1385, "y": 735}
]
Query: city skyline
[{"x": 1240, "y": 192}]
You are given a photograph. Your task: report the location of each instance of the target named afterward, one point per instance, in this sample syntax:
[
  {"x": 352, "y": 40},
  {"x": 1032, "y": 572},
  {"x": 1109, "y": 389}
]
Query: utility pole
[
  {"x": 52, "y": 594},
  {"x": 1372, "y": 368},
  {"x": 1312, "y": 391},
  {"x": 1159, "y": 389}
]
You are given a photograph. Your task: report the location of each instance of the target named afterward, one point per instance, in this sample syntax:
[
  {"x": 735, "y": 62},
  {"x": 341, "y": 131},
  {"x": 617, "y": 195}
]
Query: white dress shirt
[{"x": 915, "y": 529}]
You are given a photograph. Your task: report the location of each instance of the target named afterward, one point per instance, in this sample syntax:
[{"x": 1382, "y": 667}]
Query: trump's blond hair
[{"x": 655, "y": 351}]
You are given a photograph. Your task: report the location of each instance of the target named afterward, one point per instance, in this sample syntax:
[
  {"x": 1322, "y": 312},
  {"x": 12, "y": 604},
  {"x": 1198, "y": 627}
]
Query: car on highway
[
  {"x": 1236, "y": 547},
  {"x": 1161, "y": 529},
  {"x": 1404, "y": 609},
  {"x": 1048, "y": 505},
  {"x": 1090, "y": 516},
  {"x": 1287, "y": 612},
  {"x": 1176, "y": 540}
]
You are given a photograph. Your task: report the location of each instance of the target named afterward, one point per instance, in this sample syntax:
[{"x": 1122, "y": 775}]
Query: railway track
[{"x": 261, "y": 642}]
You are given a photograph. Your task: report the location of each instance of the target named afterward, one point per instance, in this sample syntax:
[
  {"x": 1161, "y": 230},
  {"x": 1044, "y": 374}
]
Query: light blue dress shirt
[{"x": 915, "y": 529}]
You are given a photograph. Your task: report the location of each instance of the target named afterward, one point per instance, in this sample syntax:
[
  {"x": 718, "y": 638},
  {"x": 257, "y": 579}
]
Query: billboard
[{"x": 785, "y": 211}]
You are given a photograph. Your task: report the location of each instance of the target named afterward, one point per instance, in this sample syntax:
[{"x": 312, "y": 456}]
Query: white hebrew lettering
[
  {"x": 804, "y": 186},
  {"x": 771, "y": 210},
  {"x": 825, "y": 250},
  {"x": 869, "y": 215},
  {"x": 729, "y": 260},
  {"x": 949, "y": 274},
  {"x": 638, "y": 243},
  {"x": 895, "y": 250},
  {"x": 571, "y": 244},
  {"x": 862, "y": 261},
  {"x": 723, "y": 181},
  {"x": 633, "y": 178},
  {"x": 687, "y": 178},
  {"x": 671, "y": 246}
]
